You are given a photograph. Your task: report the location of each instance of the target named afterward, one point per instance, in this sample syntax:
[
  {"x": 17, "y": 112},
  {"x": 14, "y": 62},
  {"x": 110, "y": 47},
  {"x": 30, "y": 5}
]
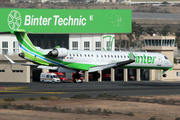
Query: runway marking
[{"x": 35, "y": 92}]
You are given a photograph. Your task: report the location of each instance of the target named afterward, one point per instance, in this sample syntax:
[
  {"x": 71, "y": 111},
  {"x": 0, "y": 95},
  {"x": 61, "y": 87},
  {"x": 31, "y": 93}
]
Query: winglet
[
  {"x": 11, "y": 61},
  {"x": 132, "y": 56}
]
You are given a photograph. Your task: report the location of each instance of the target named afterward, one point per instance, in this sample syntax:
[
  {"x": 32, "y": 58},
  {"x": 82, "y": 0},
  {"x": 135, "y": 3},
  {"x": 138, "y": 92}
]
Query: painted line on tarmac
[{"x": 34, "y": 92}]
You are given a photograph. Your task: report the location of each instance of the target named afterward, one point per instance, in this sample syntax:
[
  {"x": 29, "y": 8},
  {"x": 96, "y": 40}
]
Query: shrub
[
  {"x": 152, "y": 118},
  {"x": 106, "y": 96},
  {"x": 44, "y": 98},
  {"x": 49, "y": 98},
  {"x": 130, "y": 114},
  {"x": 81, "y": 96},
  {"x": 9, "y": 99},
  {"x": 31, "y": 98},
  {"x": 178, "y": 118}
]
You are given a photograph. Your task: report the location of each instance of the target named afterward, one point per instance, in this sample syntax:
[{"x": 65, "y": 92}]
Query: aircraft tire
[
  {"x": 74, "y": 80},
  {"x": 96, "y": 75},
  {"x": 164, "y": 75}
]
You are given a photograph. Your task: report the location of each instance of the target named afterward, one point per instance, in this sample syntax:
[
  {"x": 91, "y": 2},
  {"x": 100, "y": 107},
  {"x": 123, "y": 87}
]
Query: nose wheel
[{"x": 164, "y": 75}]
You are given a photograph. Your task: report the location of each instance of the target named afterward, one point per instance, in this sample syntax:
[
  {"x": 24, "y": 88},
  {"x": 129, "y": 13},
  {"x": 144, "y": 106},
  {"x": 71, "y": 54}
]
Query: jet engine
[{"x": 58, "y": 52}]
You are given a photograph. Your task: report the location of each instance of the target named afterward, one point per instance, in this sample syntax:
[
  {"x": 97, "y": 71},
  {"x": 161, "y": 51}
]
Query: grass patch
[
  {"x": 81, "y": 96},
  {"x": 17, "y": 88}
]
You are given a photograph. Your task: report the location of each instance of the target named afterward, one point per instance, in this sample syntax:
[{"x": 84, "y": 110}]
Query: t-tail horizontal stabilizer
[{"x": 12, "y": 62}]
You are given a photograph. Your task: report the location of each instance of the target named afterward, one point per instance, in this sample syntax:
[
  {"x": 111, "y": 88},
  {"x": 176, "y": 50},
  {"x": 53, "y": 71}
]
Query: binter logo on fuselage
[{"x": 143, "y": 59}]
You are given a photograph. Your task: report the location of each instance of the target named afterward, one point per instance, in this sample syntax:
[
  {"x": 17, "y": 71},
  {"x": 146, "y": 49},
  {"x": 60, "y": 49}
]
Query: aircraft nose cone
[{"x": 171, "y": 65}]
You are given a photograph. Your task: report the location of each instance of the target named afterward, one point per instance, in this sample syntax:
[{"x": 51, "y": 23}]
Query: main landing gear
[
  {"x": 96, "y": 75},
  {"x": 76, "y": 76}
]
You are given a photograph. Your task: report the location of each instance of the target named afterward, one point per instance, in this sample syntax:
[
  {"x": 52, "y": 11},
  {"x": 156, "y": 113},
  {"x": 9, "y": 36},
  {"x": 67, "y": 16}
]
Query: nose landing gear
[{"x": 164, "y": 75}]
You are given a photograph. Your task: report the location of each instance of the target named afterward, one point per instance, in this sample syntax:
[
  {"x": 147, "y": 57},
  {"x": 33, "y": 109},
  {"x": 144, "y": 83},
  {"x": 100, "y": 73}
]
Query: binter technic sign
[{"x": 67, "y": 20}]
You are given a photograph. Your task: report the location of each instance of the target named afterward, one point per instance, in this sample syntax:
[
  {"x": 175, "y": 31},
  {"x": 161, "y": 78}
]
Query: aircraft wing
[{"x": 113, "y": 65}]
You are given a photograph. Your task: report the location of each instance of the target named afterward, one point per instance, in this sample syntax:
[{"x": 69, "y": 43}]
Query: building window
[
  {"x": 4, "y": 47},
  {"x": 17, "y": 71},
  {"x": 86, "y": 45},
  {"x": 108, "y": 46},
  {"x": 2, "y": 70},
  {"x": 15, "y": 47},
  {"x": 177, "y": 73},
  {"x": 98, "y": 45},
  {"x": 75, "y": 45}
]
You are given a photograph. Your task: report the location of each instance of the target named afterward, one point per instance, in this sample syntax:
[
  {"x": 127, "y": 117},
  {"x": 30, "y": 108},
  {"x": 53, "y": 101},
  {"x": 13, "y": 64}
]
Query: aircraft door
[{"x": 159, "y": 61}]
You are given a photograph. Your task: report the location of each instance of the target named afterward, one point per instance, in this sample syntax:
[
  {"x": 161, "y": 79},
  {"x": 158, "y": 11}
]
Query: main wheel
[{"x": 96, "y": 75}]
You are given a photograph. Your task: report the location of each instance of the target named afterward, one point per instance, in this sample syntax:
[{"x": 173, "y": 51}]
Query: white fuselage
[{"x": 142, "y": 59}]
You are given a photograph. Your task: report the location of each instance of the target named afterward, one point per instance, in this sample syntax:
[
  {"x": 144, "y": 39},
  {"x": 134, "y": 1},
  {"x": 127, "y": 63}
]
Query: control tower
[{"x": 164, "y": 45}]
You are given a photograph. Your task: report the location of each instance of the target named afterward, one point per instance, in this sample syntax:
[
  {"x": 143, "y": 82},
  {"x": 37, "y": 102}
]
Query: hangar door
[{"x": 47, "y": 41}]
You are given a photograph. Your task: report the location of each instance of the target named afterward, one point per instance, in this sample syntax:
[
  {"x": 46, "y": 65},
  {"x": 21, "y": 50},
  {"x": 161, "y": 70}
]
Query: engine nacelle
[{"x": 58, "y": 52}]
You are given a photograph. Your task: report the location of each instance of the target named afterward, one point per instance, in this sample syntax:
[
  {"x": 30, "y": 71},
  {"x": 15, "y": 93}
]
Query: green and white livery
[{"x": 85, "y": 60}]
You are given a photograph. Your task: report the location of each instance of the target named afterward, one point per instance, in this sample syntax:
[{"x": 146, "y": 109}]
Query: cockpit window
[{"x": 165, "y": 57}]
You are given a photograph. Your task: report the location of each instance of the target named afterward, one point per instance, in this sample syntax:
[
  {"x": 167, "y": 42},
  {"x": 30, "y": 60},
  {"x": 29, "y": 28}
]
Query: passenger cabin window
[
  {"x": 115, "y": 56},
  {"x": 124, "y": 56},
  {"x": 118, "y": 56},
  {"x": 80, "y": 55},
  {"x": 74, "y": 55},
  {"x": 69, "y": 54},
  {"x": 101, "y": 55},
  {"x": 104, "y": 55},
  {"x": 85, "y": 55},
  {"x": 112, "y": 56},
  {"x": 92, "y": 55},
  {"x": 77, "y": 55},
  {"x": 88, "y": 55},
  {"x": 121, "y": 56},
  {"x": 108, "y": 56},
  {"x": 97, "y": 55}
]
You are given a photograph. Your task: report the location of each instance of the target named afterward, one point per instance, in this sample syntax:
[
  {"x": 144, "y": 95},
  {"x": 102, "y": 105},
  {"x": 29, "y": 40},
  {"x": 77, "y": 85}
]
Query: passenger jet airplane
[{"x": 65, "y": 60}]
